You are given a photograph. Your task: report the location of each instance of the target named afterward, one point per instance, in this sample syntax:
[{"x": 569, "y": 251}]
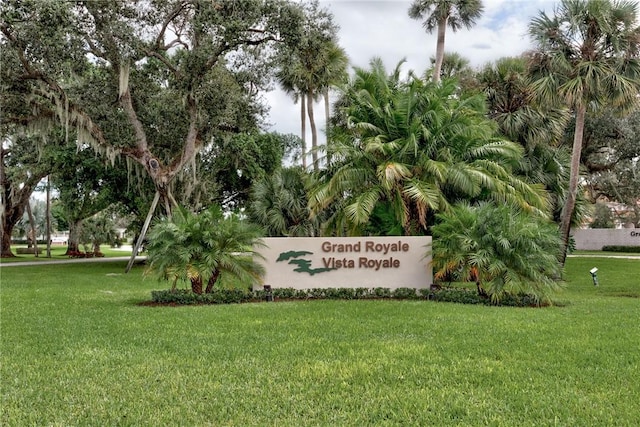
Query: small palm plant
[
  {"x": 96, "y": 231},
  {"x": 500, "y": 248},
  {"x": 199, "y": 248}
]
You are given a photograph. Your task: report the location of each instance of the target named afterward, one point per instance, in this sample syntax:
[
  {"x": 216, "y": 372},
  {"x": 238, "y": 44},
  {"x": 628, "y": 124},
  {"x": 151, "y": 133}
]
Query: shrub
[
  {"x": 404, "y": 293},
  {"x": 187, "y": 297},
  {"x": 200, "y": 248},
  {"x": 501, "y": 249},
  {"x": 459, "y": 295},
  {"x": 382, "y": 292},
  {"x": 620, "y": 248},
  {"x": 285, "y": 293},
  {"x": 236, "y": 296}
]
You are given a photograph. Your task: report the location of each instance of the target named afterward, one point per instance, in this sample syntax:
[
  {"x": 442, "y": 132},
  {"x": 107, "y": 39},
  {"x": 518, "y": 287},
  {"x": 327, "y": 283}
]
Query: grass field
[{"x": 77, "y": 349}]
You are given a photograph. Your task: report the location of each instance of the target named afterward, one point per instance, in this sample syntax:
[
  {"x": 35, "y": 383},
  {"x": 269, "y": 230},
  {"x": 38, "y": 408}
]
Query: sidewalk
[{"x": 71, "y": 261}]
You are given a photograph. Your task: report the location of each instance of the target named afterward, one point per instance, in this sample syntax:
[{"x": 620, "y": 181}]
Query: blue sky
[{"x": 370, "y": 28}]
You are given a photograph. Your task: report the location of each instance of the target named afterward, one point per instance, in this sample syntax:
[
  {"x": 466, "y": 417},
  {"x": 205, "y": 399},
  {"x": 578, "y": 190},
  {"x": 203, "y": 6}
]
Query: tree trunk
[
  {"x": 7, "y": 230},
  {"x": 74, "y": 236},
  {"x": 437, "y": 68},
  {"x": 481, "y": 291},
  {"x": 34, "y": 235},
  {"x": 196, "y": 285},
  {"x": 303, "y": 131},
  {"x": 212, "y": 281},
  {"x": 574, "y": 175},
  {"x": 314, "y": 132},
  {"x": 327, "y": 115},
  {"x": 13, "y": 202},
  {"x": 143, "y": 232},
  {"x": 5, "y": 252},
  {"x": 48, "y": 214}
]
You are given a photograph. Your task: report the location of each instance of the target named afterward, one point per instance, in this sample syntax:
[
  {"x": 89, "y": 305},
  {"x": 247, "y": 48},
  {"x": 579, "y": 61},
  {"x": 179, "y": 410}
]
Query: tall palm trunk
[
  {"x": 314, "y": 132},
  {"x": 437, "y": 68},
  {"x": 574, "y": 175},
  {"x": 303, "y": 130},
  {"x": 327, "y": 114}
]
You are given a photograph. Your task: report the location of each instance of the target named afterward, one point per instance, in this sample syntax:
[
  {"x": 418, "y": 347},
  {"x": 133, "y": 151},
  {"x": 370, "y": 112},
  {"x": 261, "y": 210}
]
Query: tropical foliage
[
  {"x": 97, "y": 230},
  {"x": 500, "y": 248},
  {"x": 412, "y": 147},
  {"x": 279, "y": 204},
  {"x": 587, "y": 56},
  {"x": 199, "y": 248},
  {"x": 538, "y": 127}
]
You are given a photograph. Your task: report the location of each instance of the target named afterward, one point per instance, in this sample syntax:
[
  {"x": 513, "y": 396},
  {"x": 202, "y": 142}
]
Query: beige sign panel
[{"x": 347, "y": 262}]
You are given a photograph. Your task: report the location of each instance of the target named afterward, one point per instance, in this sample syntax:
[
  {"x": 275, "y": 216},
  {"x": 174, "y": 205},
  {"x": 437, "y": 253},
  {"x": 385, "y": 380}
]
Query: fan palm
[
  {"x": 416, "y": 147},
  {"x": 279, "y": 205},
  {"x": 438, "y": 14},
  {"x": 200, "y": 248},
  {"x": 586, "y": 56},
  {"x": 538, "y": 127}
]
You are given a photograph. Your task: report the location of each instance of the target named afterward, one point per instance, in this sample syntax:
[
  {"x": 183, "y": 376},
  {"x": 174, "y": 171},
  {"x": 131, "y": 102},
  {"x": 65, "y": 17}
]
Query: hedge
[
  {"x": 234, "y": 296},
  {"x": 620, "y": 248}
]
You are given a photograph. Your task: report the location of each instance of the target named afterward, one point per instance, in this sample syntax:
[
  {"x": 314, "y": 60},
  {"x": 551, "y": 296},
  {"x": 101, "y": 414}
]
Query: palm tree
[
  {"x": 413, "y": 147},
  {"x": 456, "y": 66},
  {"x": 279, "y": 205},
  {"x": 200, "y": 248},
  {"x": 501, "y": 249},
  {"x": 312, "y": 67},
  {"x": 587, "y": 55},
  {"x": 324, "y": 65},
  {"x": 335, "y": 74},
  {"x": 438, "y": 14},
  {"x": 538, "y": 127},
  {"x": 289, "y": 78},
  {"x": 97, "y": 230}
]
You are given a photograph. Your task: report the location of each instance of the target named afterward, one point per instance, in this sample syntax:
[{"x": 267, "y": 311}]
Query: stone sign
[{"x": 347, "y": 262}]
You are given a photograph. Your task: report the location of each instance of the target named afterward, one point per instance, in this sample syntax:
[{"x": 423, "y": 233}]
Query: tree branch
[{"x": 159, "y": 43}]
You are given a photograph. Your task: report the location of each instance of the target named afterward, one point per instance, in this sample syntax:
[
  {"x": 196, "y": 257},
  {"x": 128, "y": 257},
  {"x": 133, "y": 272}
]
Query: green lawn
[{"x": 78, "y": 350}]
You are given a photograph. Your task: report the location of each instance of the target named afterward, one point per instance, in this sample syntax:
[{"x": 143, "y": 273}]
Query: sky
[{"x": 372, "y": 28}]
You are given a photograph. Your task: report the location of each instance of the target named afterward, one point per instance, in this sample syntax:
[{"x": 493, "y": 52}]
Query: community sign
[{"x": 347, "y": 262}]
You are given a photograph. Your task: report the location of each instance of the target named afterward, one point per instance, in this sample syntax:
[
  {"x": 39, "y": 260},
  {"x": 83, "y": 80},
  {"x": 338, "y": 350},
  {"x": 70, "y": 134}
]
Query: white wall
[{"x": 596, "y": 238}]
